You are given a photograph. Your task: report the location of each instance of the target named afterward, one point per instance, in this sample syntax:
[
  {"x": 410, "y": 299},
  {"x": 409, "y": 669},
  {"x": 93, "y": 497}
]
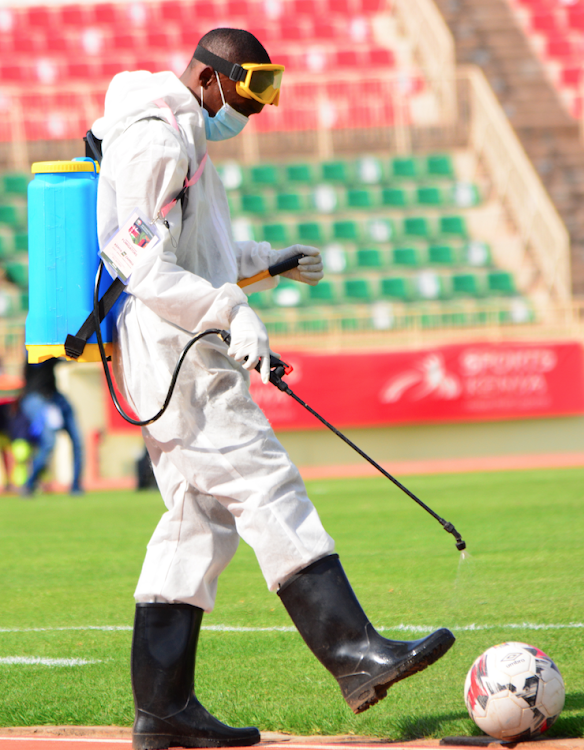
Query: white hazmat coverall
[{"x": 221, "y": 471}]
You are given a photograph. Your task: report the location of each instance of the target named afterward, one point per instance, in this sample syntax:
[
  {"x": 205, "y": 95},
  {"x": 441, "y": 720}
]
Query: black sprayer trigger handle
[{"x": 285, "y": 265}]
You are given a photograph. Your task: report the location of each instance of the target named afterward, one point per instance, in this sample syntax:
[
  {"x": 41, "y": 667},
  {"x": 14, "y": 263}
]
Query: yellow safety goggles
[
  {"x": 259, "y": 81},
  {"x": 262, "y": 83}
]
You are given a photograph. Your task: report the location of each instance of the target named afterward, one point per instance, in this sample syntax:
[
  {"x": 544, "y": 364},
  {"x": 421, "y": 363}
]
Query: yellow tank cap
[{"x": 55, "y": 167}]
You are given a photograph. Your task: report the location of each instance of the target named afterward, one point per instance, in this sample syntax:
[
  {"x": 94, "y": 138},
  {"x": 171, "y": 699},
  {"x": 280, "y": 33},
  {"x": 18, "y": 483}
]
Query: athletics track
[{"x": 116, "y": 738}]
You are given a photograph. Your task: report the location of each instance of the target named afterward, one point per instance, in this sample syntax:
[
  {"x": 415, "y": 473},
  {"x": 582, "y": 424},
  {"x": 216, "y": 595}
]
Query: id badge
[{"x": 122, "y": 250}]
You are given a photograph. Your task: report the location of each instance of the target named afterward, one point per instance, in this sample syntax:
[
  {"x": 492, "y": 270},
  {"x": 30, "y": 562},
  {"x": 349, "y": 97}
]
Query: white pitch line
[
  {"x": 10, "y": 660},
  {"x": 289, "y": 629}
]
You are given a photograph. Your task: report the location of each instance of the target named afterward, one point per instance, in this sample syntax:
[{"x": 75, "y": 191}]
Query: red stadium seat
[
  {"x": 75, "y": 15},
  {"x": 559, "y": 48},
  {"x": 40, "y": 17},
  {"x": 544, "y": 22},
  {"x": 112, "y": 67},
  {"x": 123, "y": 41},
  {"x": 204, "y": 10},
  {"x": 105, "y": 14},
  {"x": 26, "y": 42},
  {"x": 339, "y": 6},
  {"x": 237, "y": 9},
  {"x": 81, "y": 70},
  {"x": 575, "y": 16},
  {"x": 159, "y": 40},
  {"x": 371, "y": 6},
  {"x": 571, "y": 77},
  {"x": 291, "y": 31},
  {"x": 324, "y": 29},
  {"x": 347, "y": 59},
  {"x": 381, "y": 57},
  {"x": 303, "y": 7},
  {"x": 56, "y": 41},
  {"x": 11, "y": 73}
]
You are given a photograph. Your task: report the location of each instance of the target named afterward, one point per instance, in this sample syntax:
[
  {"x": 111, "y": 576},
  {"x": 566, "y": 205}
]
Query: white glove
[
  {"x": 309, "y": 269},
  {"x": 249, "y": 338}
]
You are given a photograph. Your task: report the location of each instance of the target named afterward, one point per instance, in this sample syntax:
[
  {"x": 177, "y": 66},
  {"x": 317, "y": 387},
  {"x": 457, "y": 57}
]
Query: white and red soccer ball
[{"x": 514, "y": 691}]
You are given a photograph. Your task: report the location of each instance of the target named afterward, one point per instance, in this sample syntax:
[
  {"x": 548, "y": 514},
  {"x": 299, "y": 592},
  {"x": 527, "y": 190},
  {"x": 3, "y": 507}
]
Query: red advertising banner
[{"x": 462, "y": 382}]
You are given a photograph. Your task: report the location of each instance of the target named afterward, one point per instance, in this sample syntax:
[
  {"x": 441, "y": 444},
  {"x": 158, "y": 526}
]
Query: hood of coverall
[{"x": 131, "y": 95}]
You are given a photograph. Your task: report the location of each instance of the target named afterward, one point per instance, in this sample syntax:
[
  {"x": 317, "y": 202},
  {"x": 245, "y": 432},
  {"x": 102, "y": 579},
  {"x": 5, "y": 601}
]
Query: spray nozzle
[{"x": 449, "y": 527}]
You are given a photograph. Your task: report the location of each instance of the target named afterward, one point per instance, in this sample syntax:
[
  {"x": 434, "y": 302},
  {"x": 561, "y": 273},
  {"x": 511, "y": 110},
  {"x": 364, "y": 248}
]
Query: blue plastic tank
[{"x": 63, "y": 258}]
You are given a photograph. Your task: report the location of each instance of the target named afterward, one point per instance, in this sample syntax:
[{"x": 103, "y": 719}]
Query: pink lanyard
[{"x": 196, "y": 177}]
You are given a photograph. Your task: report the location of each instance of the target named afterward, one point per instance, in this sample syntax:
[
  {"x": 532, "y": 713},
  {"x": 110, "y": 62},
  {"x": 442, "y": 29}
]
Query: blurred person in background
[{"x": 48, "y": 411}]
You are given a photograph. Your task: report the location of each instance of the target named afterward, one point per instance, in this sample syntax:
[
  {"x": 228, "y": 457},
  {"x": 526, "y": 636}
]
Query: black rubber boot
[
  {"x": 328, "y": 616},
  {"x": 168, "y": 714}
]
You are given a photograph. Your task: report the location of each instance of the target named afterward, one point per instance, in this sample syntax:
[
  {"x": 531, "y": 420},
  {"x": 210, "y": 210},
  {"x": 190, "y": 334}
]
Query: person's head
[{"x": 206, "y": 84}]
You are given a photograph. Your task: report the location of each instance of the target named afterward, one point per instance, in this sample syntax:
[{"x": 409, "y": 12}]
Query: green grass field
[{"x": 68, "y": 567}]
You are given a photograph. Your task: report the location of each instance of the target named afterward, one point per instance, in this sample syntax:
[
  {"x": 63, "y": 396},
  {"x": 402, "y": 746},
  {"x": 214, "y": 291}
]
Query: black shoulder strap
[{"x": 75, "y": 345}]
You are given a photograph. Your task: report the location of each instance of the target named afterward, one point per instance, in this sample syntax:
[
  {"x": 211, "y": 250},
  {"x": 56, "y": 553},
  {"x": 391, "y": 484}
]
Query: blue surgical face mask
[{"x": 227, "y": 123}]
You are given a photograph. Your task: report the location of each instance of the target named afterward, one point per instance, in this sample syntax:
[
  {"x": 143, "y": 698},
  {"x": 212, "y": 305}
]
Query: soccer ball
[{"x": 514, "y": 691}]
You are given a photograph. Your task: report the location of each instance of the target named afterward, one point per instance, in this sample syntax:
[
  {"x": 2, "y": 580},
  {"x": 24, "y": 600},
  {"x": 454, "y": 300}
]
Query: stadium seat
[
  {"x": 323, "y": 293},
  {"x": 13, "y": 215},
  {"x": 405, "y": 168},
  {"x": 370, "y": 258},
  {"x": 360, "y": 198},
  {"x": 416, "y": 226},
  {"x": 406, "y": 256},
  {"x": 290, "y": 202},
  {"x": 21, "y": 241},
  {"x": 429, "y": 196},
  {"x": 325, "y": 199},
  {"x": 310, "y": 231},
  {"x": 17, "y": 272},
  {"x": 430, "y": 285},
  {"x": 500, "y": 282},
  {"x": 369, "y": 170},
  {"x": 260, "y": 300},
  {"x": 467, "y": 284},
  {"x": 7, "y": 244},
  {"x": 231, "y": 175},
  {"x": 303, "y": 173},
  {"x": 264, "y": 174},
  {"x": 477, "y": 254},
  {"x": 346, "y": 230},
  {"x": 336, "y": 171},
  {"x": 289, "y": 294},
  {"x": 336, "y": 259},
  {"x": 15, "y": 183},
  {"x": 277, "y": 234},
  {"x": 380, "y": 230},
  {"x": 357, "y": 290},
  {"x": 453, "y": 225},
  {"x": 465, "y": 195},
  {"x": 443, "y": 255},
  {"x": 394, "y": 197},
  {"x": 254, "y": 203},
  {"x": 396, "y": 288},
  {"x": 439, "y": 165}
]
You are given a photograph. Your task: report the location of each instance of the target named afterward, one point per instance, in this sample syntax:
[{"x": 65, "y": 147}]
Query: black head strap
[{"x": 234, "y": 71}]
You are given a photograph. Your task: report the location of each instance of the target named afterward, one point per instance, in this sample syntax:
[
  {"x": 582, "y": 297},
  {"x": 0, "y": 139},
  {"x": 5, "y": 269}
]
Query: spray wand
[{"x": 278, "y": 369}]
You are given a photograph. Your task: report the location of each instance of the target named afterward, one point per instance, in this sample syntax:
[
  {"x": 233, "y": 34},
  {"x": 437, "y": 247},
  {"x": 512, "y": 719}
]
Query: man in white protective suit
[{"x": 221, "y": 471}]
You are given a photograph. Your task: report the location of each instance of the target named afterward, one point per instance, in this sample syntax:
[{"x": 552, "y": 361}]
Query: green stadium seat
[
  {"x": 360, "y": 198},
  {"x": 405, "y": 168},
  {"x": 15, "y": 183},
  {"x": 477, "y": 253},
  {"x": 277, "y": 324},
  {"x": 243, "y": 229},
  {"x": 429, "y": 196},
  {"x": 337, "y": 171},
  {"x": 13, "y": 215},
  {"x": 315, "y": 324},
  {"x": 501, "y": 282},
  {"x": 310, "y": 231},
  {"x": 467, "y": 284},
  {"x": 231, "y": 175},
  {"x": 325, "y": 199},
  {"x": 336, "y": 259},
  {"x": 234, "y": 203},
  {"x": 7, "y": 243},
  {"x": 439, "y": 165},
  {"x": 430, "y": 285},
  {"x": 443, "y": 255},
  {"x": 369, "y": 170},
  {"x": 290, "y": 202},
  {"x": 453, "y": 225},
  {"x": 324, "y": 293},
  {"x": 357, "y": 290},
  {"x": 17, "y": 272},
  {"x": 264, "y": 174},
  {"x": 416, "y": 226},
  {"x": 289, "y": 294},
  {"x": 260, "y": 300},
  {"x": 346, "y": 230},
  {"x": 371, "y": 258},
  {"x": 465, "y": 195},
  {"x": 21, "y": 241},
  {"x": 254, "y": 203},
  {"x": 406, "y": 256},
  {"x": 396, "y": 288},
  {"x": 24, "y": 302},
  {"x": 300, "y": 173},
  {"x": 380, "y": 230},
  {"x": 276, "y": 233},
  {"x": 394, "y": 197}
]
